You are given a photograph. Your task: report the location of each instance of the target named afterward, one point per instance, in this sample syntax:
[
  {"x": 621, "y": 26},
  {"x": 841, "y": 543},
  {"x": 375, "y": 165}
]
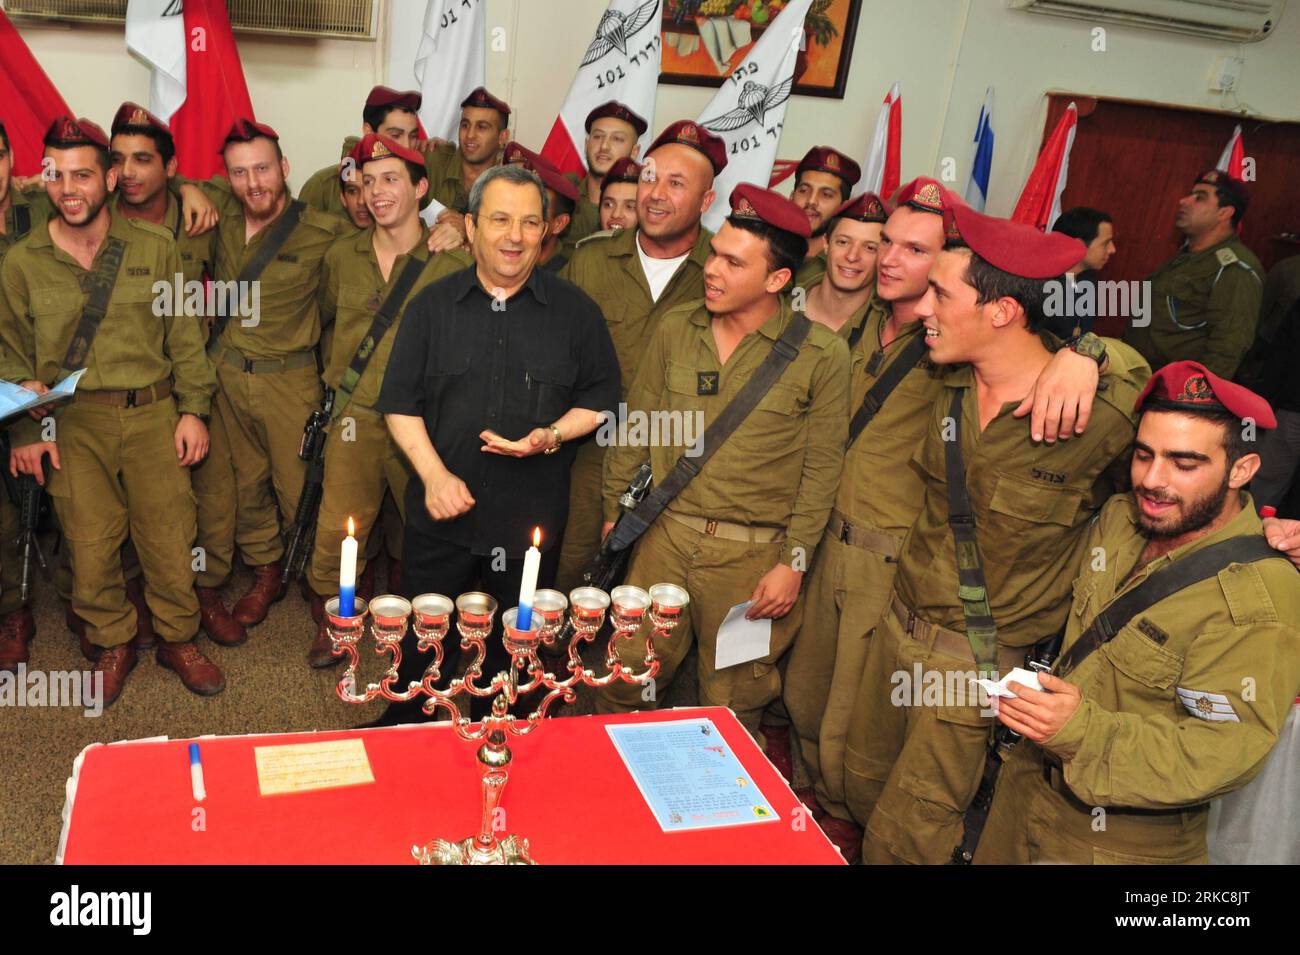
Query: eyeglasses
[{"x": 529, "y": 225}]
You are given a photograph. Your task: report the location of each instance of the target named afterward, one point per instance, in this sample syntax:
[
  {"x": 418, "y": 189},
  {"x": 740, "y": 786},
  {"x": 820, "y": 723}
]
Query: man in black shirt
[{"x": 501, "y": 349}]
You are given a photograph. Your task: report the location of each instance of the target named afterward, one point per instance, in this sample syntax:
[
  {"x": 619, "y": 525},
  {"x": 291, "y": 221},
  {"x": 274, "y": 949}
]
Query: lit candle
[
  {"x": 528, "y": 587},
  {"x": 348, "y": 573}
]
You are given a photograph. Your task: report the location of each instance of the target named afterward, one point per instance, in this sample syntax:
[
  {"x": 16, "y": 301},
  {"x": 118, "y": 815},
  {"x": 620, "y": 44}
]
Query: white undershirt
[{"x": 659, "y": 272}]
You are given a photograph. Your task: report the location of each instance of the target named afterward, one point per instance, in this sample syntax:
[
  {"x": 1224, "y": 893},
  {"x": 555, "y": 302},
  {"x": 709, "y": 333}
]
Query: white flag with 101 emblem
[{"x": 749, "y": 110}]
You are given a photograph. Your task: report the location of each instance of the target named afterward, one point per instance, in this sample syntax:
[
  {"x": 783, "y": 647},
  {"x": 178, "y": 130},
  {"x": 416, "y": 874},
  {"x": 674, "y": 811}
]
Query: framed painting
[{"x": 705, "y": 40}]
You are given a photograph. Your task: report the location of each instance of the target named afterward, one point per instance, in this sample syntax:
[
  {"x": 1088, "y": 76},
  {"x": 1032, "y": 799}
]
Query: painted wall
[{"x": 944, "y": 52}]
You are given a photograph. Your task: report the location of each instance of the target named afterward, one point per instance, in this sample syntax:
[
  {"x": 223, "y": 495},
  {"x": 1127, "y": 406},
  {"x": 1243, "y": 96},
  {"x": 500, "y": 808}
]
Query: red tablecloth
[{"x": 569, "y": 794}]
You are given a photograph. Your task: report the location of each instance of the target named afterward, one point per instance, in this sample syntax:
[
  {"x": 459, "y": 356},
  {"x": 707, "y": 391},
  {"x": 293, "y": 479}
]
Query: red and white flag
[
  {"x": 1040, "y": 201},
  {"x": 748, "y": 111},
  {"x": 155, "y": 32},
  {"x": 1233, "y": 160},
  {"x": 622, "y": 64},
  {"x": 880, "y": 170},
  {"x": 215, "y": 92},
  {"x": 450, "y": 62},
  {"x": 28, "y": 100}
]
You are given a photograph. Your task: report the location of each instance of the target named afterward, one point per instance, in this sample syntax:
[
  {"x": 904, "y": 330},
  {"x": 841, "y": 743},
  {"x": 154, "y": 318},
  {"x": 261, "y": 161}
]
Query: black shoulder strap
[
  {"x": 22, "y": 221},
  {"x": 972, "y": 589},
  {"x": 893, "y": 376},
  {"x": 100, "y": 291},
  {"x": 784, "y": 350},
  {"x": 855, "y": 336},
  {"x": 379, "y": 327},
  {"x": 1165, "y": 582},
  {"x": 275, "y": 238}
]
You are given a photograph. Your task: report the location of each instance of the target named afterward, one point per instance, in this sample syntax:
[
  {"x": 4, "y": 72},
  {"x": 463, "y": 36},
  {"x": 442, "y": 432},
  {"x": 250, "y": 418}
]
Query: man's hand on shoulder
[
  {"x": 1284, "y": 535},
  {"x": 1060, "y": 403}
]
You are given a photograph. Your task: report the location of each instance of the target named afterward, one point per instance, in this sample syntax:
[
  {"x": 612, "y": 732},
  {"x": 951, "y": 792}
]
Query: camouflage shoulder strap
[
  {"x": 972, "y": 589},
  {"x": 379, "y": 327},
  {"x": 276, "y": 236},
  {"x": 100, "y": 291}
]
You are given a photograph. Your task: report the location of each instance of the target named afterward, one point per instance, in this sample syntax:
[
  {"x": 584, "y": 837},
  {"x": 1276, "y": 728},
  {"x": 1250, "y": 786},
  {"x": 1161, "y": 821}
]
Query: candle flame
[
  {"x": 537, "y": 537},
  {"x": 352, "y": 528}
]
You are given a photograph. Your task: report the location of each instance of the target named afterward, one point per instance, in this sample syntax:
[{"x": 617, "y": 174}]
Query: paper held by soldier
[
  {"x": 1018, "y": 675},
  {"x": 741, "y": 640},
  {"x": 16, "y": 400}
]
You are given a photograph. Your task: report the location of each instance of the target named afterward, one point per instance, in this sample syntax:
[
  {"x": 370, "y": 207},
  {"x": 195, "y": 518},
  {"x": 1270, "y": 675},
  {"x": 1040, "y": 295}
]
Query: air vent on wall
[
  {"x": 347, "y": 19},
  {"x": 1238, "y": 21}
]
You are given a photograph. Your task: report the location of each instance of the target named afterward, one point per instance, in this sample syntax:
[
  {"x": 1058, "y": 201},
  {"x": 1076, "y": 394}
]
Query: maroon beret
[
  {"x": 1016, "y": 247},
  {"x": 1190, "y": 386},
  {"x": 75, "y": 132},
  {"x": 692, "y": 134},
  {"x": 245, "y": 130},
  {"x": 623, "y": 170},
  {"x": 546, "y": 171},
  {"x": 825, "y": 159},
  {"x": 1235, "y": 188},
  {"x": 482, "y": 99},
  {"x": 749, "y": 201},
  {"x": 864, "y": 208},
  {"x": 615, "y": 110},
  {"x": 929, "y": 195},
  {"x": 387, "y": 96},
  {"x": 373, "y": 146},
  {"x": 134, "y": 115}
]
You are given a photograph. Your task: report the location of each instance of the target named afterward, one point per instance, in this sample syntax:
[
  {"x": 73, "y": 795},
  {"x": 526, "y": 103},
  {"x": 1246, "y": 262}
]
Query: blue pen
[{"x": 196, "y": 773}]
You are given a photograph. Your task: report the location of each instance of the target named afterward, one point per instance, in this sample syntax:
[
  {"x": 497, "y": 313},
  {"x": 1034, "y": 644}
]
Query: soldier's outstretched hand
[
  {"x": 775, "y": 594},
  {"x": 536, "y": 441},
  {"x": 1039, "y": 716},
  {"x": 190, "y": 440},
  {"x": 27, "y": 460}
]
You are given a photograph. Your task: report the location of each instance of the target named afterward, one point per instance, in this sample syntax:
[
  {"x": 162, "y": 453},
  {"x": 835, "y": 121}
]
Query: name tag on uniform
[{"x": 706, "y": 382}]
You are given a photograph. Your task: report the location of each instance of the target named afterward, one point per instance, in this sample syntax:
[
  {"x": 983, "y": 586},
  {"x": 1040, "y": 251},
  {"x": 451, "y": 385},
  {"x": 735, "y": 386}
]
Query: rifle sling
[
  {"x": 383, "y": 321},
  {"x": 892, "y": 377},
  {"x": 22, "y": 221},
  {"x": 276, "y": 236},
  {"x": 784, "y": 350},
  {"x": 101, "y": 282},
  {"x": 1165, "y": 582},
  {"x": 972, "y": 589}
]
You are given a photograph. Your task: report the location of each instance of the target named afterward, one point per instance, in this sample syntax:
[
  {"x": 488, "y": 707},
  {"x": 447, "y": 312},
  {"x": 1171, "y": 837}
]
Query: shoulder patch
[
  {"x": 325, "y": 221},
  {"x": 1226, "y": 256},
  {"x": 1212, "y": 707},
  {"x": 603, "y": 234}
]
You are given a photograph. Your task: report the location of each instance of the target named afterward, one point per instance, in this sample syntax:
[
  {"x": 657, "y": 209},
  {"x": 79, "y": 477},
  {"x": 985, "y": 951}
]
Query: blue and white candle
[
  {"x": 528, "y": 586},
  {"x": 348, "y": 573}
]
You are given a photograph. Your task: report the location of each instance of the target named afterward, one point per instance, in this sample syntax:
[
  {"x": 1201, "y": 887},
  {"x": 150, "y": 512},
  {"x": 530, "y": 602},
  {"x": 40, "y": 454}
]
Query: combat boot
[
  {"x": 16, "y": 631},
  {"x": 199, "y": 674},
  {"x": 145, "y": 637},
  {"x": 321, "y": 653},
  {"x": 316, "y": 604},
  {"x": 115, "y": 663},
  {"x": 266, "y": 590},
  {"x": 776, "y": 745},
  {"x": 216, "y": 621}
]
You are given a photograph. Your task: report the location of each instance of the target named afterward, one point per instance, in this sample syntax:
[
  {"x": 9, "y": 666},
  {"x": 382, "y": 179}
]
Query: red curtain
[
  {"x": 28, "y": 100},
  {"x": 215, "y": 92}
]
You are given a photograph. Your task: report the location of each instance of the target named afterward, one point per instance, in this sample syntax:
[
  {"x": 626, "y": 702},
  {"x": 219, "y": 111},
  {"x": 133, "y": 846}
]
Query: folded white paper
[
  {"x": 1019, "y": 675},
  {"x": 741, "y": 640}
]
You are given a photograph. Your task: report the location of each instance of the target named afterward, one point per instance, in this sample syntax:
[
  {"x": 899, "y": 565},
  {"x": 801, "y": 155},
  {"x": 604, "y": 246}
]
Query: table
[{"x": 569, "y": 794}]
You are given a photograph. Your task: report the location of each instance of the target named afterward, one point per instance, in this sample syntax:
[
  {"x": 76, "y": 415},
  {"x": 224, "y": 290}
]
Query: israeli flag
[{"x": 977, "y": 189}]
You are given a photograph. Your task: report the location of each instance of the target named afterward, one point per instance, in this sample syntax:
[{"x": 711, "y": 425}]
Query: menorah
[{"x": 429, "y": 615}]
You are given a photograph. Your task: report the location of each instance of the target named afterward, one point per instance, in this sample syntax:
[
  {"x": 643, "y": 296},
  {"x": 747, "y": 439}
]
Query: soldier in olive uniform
[
  {"x": 745, "y": 527},
  {"x": 1186, "y": 699},
  {"x": 122, "y": 449},
  {"x": 959, "y": 605},
  {"x": 618, "y": 195},
  {"x": 266, "y": 361},
  {"x": 144, "y": 153},
  {"x": 362, "y": 463},
  {"x": 823, "y": 182},
  {"x": 636, "y": 276},
  {"x": 18, "y": 216},
  {"x": 612, "y": 134},
  {"x": 561, "y": 196},
  {"x": 483, "y": 134},
  {"x": 1205, "y": 300}
]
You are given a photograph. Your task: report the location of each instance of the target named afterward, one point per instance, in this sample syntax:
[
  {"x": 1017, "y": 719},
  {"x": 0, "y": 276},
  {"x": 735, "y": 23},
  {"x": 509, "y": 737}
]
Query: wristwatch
[
  {"x": 558, "y": 440},
  {"x": 1090, "y": 346}
]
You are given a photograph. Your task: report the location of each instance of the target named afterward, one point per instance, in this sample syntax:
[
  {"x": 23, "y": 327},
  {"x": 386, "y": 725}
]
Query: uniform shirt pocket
[
  {"x": 1142, "y": 661},
  {"x": 550, "y": 387}
]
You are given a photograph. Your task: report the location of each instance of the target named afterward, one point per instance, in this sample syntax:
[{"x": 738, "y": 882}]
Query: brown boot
[
  {"x": 394, "y": 576},
  {"x": 316, "y": 604},
  {"x": 776, "y": 744},
  {"x": 199, "y": 674},
  {"x": 115, "y": 663},
  {"x": 145, "y": 638},
  {"x": 215, "y": 619},
  {"x": 366, "y": 582},
  {"x": 266, "y": 590},
  {"x": 321, "y": 654},
  {"x": 16, "y": 631},
  {"x": 75, "y": 623}
]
